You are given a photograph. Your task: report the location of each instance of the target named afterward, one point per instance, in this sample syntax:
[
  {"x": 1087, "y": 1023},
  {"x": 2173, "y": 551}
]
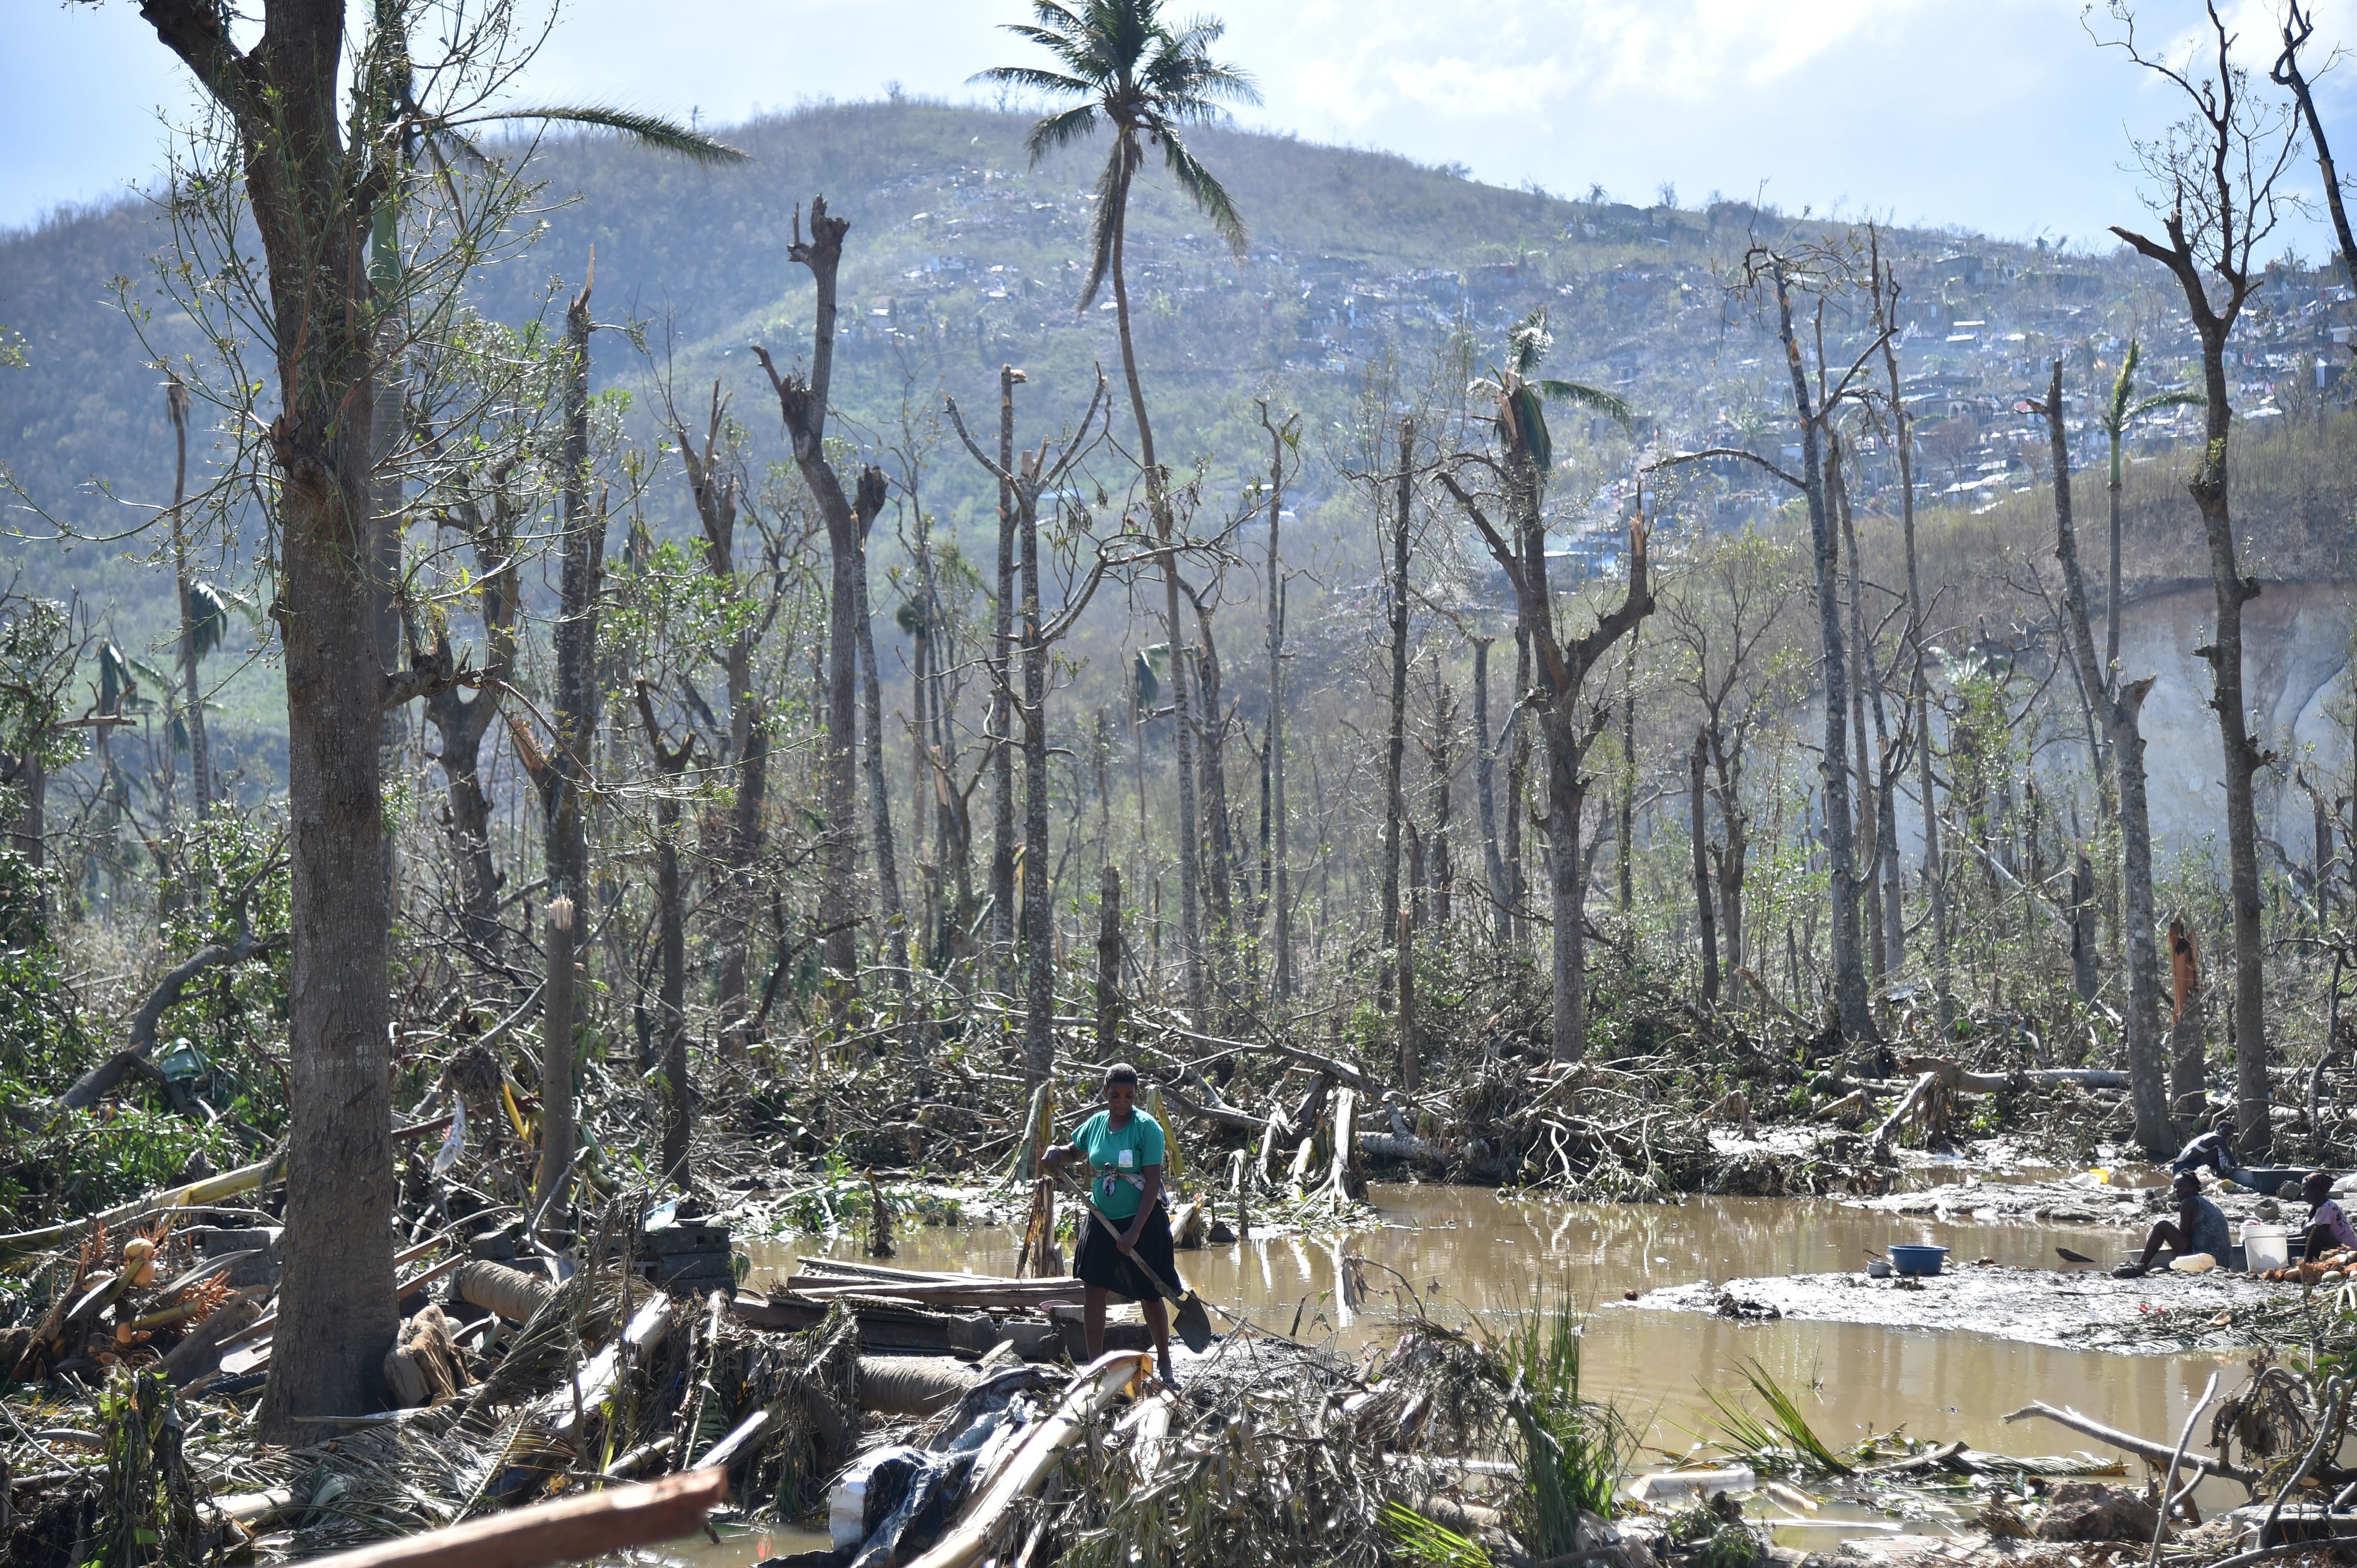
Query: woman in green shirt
[{"x": 1128, "y": 1222}]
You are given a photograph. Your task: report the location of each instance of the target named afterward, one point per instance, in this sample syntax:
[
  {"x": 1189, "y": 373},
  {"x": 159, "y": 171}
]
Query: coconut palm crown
[
  {"x": 1144, "y": 77},
  {"x": 1522, "y": 414}
]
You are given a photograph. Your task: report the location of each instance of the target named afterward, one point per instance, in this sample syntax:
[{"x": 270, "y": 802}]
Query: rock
[{"x": 2085, "y": 1510}]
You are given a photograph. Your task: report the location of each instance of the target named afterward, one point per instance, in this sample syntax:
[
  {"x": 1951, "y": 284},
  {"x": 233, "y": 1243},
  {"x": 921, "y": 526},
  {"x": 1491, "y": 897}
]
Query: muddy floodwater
[{"x": 1473, "y": 1256}]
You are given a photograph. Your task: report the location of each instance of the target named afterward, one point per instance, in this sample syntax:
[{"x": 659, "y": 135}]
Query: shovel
[{"x": 1193, "y": 1322}]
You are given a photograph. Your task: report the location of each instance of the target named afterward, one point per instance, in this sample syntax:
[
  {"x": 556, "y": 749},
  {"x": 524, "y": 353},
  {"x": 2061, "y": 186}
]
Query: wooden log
[
  {"x": 1012, "y": 1294},
  {"x": 1956, "y": 1077},
  {"x": 1092, "y": 1388},
  {"x": 2160, "y": 1454},
  {"x": 589, "y": 1524},
  {"x": 1337, "y": 1190},
  {"x": 1922, "y": 1090}
]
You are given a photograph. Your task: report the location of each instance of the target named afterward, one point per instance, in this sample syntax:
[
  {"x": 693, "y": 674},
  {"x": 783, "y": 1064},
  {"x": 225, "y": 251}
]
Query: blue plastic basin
[{"x": 1913, "y": 1258}]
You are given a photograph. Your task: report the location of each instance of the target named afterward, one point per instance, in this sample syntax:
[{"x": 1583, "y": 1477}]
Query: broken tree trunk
[{"x": 584, "y": 1525}]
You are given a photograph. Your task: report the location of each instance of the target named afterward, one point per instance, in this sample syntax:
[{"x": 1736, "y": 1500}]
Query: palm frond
[
  {"x": 1522, "y": 401},
  {"x": 1429, "y": 1546},
  {"x": 1032, "y": 77},
  {"x": 1058, "y": 130},
  {"x": 2183, "y": 398},
  {"x": 1203, "y": 188},
  {"x": 2123, "y": 388},
  {"x": 1609, "y": 404},
  {"x": 1783, "y": 1439},
  {"x": 1528, "y": 340},
  {"x": 650, "y": 129},
  {"x": 1112, "y": 190}
]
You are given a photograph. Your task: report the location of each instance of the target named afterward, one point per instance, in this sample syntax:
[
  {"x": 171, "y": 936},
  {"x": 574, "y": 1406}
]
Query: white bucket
[{"x": 2264, "y": 1246}]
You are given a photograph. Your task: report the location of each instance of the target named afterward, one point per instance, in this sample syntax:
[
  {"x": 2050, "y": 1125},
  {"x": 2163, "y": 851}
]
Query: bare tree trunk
[
  {"x": 1444, "y": 763},
  {"x": 1038, "y": 934},
  {"x": 1836, "y": 482},
  {"x": 1841, "y": 850},
  {"x": 671, "y": 927},
  {"x": 1212, "y": 760},
  {"x": 1282, "y": 985},
  {"x": 1411, "y": 1048},
  {"x": 802, "y": 404},
  {"x": 1493, "y": 863},
  {"x": 200, "y": 766},
  {"x": 1109, "y": 1005},
  {"x": 1190, "y": 928},
  {"x": 1563, "y": 669},
  {"x": 2084, "y": 978},
  {"x": 1395, "y": 751},
  {"x": 461, "y": 721},
  {"x": 2120, "y": 703},
  {"x": 566, "y": 783},
  {"x": 2298, "y": 26},
  {"x": 1698, "y": 799},
  {"x": 310, "y": 209},
  {"x": 895, "y": 935},
  {"x": 1002, "y": 690},
  {"x": 1625, "y": 805},
  {"x": 1517, "y": 744}
]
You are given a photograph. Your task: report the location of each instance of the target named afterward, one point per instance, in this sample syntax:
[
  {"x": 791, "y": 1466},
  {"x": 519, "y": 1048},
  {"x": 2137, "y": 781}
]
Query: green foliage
[
  {"x": 1417, "y": 1540},
  {"x": 1572, "y": 1449},
  {"x": 1782, "y": 1439},
  {"x": 1711, "y": 1538}
]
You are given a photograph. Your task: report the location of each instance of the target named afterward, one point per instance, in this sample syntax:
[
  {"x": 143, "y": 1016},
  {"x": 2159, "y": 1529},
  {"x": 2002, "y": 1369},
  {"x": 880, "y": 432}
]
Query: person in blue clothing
[{"x": 1128, "y": 1222}]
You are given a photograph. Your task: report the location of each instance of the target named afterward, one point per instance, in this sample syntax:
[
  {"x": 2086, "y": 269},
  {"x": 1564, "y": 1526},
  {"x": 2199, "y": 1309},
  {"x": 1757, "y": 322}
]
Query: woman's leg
[
  {"x": 1158, "y": 1321},
  {"x": 1093, "y": 1319}
]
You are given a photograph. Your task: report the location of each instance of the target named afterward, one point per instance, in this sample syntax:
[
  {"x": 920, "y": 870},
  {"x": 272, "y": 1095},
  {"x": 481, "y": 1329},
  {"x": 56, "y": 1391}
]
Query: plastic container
[
  {"x": 1692, "y": 1486},
  {"x": 2265, "y": 1246},
  {"x": 2193, "y": 1263},
  {"x": 1916, "y": 1257}
]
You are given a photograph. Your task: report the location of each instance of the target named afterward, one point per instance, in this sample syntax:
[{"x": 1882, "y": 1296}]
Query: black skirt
[{"x": 1100, "y": 1262}]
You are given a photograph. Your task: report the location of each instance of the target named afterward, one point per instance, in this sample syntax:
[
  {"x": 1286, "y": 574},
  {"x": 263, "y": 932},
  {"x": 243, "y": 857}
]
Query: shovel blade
[{"x": 1194, "y": 1324}]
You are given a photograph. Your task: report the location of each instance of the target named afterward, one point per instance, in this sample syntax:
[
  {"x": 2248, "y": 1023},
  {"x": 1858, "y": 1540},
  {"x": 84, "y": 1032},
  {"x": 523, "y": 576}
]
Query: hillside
[{"x": 961, "y": 257}]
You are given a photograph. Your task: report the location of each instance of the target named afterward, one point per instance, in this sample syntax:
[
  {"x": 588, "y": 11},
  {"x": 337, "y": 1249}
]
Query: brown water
[{"x": 1474, "y": 1257}]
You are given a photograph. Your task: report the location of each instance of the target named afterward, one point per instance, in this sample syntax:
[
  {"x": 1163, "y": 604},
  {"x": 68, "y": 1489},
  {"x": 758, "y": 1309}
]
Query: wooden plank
[{"x": 587, "y": 1525}]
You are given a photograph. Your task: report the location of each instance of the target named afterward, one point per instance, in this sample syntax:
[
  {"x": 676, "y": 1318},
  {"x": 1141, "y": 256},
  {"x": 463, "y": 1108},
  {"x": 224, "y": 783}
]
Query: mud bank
[{"x": 2082, "y": 1309}]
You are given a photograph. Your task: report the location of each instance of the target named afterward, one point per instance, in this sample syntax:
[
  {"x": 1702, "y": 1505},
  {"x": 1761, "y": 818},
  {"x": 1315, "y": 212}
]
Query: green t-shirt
[{"x": 1119, "y": 1157}]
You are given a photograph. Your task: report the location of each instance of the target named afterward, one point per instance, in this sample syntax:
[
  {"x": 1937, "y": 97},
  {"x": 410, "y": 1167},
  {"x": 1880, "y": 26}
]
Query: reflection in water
[{"x": 1475, "y": 1259}]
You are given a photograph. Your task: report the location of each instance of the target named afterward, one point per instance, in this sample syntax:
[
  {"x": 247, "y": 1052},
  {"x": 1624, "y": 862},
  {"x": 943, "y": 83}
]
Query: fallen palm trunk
[
  {"x": 911, "y": 1385},
  {"x": 194, "y": 1195},
  {"x": 1092, "y": 1389},
  {"x": 570, "y": 1528},
  {"x": 513, "y": 1294},
  {"x": 2160, "y": 1454}
]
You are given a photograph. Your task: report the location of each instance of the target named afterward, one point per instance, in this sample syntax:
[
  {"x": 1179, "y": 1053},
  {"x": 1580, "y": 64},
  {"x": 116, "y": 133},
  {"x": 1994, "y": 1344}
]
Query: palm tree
[
  {"x": 2124, "y": 410},
  {"x": 1144, "y": 79},
  {"x": 1562, "y": 665}
]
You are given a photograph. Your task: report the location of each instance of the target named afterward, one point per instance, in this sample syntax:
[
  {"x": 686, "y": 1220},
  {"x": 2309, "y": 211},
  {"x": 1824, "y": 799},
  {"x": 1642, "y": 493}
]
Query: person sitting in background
[
  {"x": 2200, "y": 1227},
  {"x": 2327, "y": 1227}
]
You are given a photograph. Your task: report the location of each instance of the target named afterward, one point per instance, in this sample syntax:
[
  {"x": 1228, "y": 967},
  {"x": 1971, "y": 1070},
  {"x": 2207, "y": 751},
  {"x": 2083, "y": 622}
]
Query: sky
[{"x": 2002, "y": 116}]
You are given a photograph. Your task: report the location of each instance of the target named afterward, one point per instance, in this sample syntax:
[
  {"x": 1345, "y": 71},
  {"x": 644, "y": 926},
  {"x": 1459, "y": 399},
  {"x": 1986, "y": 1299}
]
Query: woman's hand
[{"x": 1127, "y": 1239}]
